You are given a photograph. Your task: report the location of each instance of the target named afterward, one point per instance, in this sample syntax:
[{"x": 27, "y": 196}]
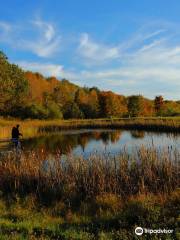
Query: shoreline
[{"x": 33, "y": 127}]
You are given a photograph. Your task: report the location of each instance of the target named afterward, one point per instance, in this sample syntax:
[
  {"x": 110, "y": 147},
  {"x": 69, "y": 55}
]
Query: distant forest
[{"x": 31, "y": 95}]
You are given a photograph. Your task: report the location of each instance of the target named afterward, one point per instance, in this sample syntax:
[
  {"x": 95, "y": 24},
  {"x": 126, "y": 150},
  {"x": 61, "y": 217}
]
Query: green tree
[
  {"x": 36, "y": 111},
  {"x": 54, "y": 111},
  {"x": 13, "y": 86},
  {"x": 71, "y": 110},
  {"x": 135, "y": 105}
]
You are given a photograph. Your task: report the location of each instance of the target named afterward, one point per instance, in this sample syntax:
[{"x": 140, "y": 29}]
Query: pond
[{"x": 87, "y": 141}]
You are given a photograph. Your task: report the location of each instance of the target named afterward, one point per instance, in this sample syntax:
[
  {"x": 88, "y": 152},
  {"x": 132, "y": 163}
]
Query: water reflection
[
  {"x": 137, "y": 134},
  {"x": 84, "y": 142},
  {"x": 66, "y": 141}
]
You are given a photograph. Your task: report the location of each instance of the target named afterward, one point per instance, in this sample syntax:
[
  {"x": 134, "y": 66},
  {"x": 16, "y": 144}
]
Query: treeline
[{"x": 30, "y": 95}]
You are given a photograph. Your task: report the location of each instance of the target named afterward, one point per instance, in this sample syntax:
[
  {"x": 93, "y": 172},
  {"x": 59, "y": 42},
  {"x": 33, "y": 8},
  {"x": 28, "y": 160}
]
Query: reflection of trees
[
  {"x": 112, "y": 136},
  {"x": 137, "y": 134},
  {"x": 83, "y": 140},
  {"x": 105, "y": 137},
  {"x": 65, "y": 143},
  {"x": 115, "y": 136},
  {"x": 52, "y": 143},
  {"x": 97, "y": 135}
]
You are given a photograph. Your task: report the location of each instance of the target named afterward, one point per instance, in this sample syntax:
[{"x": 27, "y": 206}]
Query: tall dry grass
[{"x": 75, "y": 179}]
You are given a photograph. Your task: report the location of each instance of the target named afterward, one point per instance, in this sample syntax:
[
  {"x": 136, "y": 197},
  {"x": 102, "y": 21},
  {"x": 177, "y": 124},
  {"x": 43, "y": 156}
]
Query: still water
[{"x": 85, "y": 142}]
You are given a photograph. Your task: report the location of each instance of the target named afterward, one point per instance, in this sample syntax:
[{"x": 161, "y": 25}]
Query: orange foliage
[
  {"x": 39, "y": 85},
  {"x": 112, "y": 104}
]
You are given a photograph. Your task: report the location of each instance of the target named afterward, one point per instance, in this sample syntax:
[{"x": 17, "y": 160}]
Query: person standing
[{"x": 15, "y": 136}]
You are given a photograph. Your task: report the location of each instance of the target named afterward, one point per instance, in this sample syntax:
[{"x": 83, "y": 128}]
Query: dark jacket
[{"x": 16, "y": 133}]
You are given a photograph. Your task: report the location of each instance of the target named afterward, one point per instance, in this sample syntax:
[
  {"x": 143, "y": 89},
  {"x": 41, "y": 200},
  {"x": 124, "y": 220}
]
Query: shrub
[
  {"x": 108, "y": 201},
  {"x": 54, "y": 111},
  {"x": 144, "y": 212},
  {"x": 72, "y": 111},
  {"x": 36, "y": 111}
]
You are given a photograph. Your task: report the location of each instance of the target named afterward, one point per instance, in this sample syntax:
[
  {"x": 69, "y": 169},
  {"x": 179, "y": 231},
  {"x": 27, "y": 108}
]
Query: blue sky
[{"x": 129, "y": 47}]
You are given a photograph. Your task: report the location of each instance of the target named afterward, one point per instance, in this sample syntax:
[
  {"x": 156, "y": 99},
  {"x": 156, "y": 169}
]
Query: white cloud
[
  {"x": 38, "y": 37},
  {"x": 5, "y": 30},
  {"x": 5, "y": 27},
  {"x": 148, "y": 63},
  {"x": 47, "y": 69},
  {"x": 47, "y": 28},
  {"x": 140, "y": 38},
  {"x": 152, "y": 34},
  {"x": 151, "y": 45},
  {"x": 93, "y": 51},
  {"x": 47, "y": 44},
  {"x": 148, "y": 70}
]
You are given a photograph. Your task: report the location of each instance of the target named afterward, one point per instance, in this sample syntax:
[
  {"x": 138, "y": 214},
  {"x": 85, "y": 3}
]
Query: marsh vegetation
[{"x": 101, "y": 195}]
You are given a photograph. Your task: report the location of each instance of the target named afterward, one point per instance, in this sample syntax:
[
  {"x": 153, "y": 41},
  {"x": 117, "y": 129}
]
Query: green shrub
[
  {"x": 36, "y": 111},
  {"x": 144, "y": 213},
  {"x": 54, "y": 111},
  {"x": 72, "y": 111},
  {"x": 108, "y": 201}
]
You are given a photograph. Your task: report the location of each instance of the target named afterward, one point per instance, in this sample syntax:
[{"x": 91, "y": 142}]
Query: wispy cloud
[
  {"x": 48, "y": 69},
  {"x": 149, "y": 64},
  {"x": 47, "y": 28},
  {"x": 93, "y": 51},
  {"x": 147, "y": 67},
  {"x": 96, "y": 53},
  {"x": 37, "y": 36},
  {"x": 47, "y": 43},
  {"x": 146, "y": 63},
  {"x": 5, "y": 31}
]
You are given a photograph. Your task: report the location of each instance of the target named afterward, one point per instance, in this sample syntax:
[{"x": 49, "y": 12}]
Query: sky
[{"x": 129, "y": 47}]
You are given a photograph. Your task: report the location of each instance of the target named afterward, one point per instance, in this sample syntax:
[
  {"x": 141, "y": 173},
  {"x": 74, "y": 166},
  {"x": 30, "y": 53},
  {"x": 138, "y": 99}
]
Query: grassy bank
[
  {"x": 112, "y": 220},
  {"x": 31, "y": 128},
  {"x": 102, "y": 197}
]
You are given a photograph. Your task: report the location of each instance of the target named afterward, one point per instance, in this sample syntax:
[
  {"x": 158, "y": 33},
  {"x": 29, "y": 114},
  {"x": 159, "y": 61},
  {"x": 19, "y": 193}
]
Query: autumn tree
[
  {"x": 13, "y": 86},
  {"x": 112, "y": 105},
  {"x": 148, "y": 108},
  {"x": 170, "y": 108},
  {"x": 135, "y": 105},
  {"x": 158, "y": 105},
  {"x": 31, "y": 95},
  {"x": 88, "y": 102}
]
